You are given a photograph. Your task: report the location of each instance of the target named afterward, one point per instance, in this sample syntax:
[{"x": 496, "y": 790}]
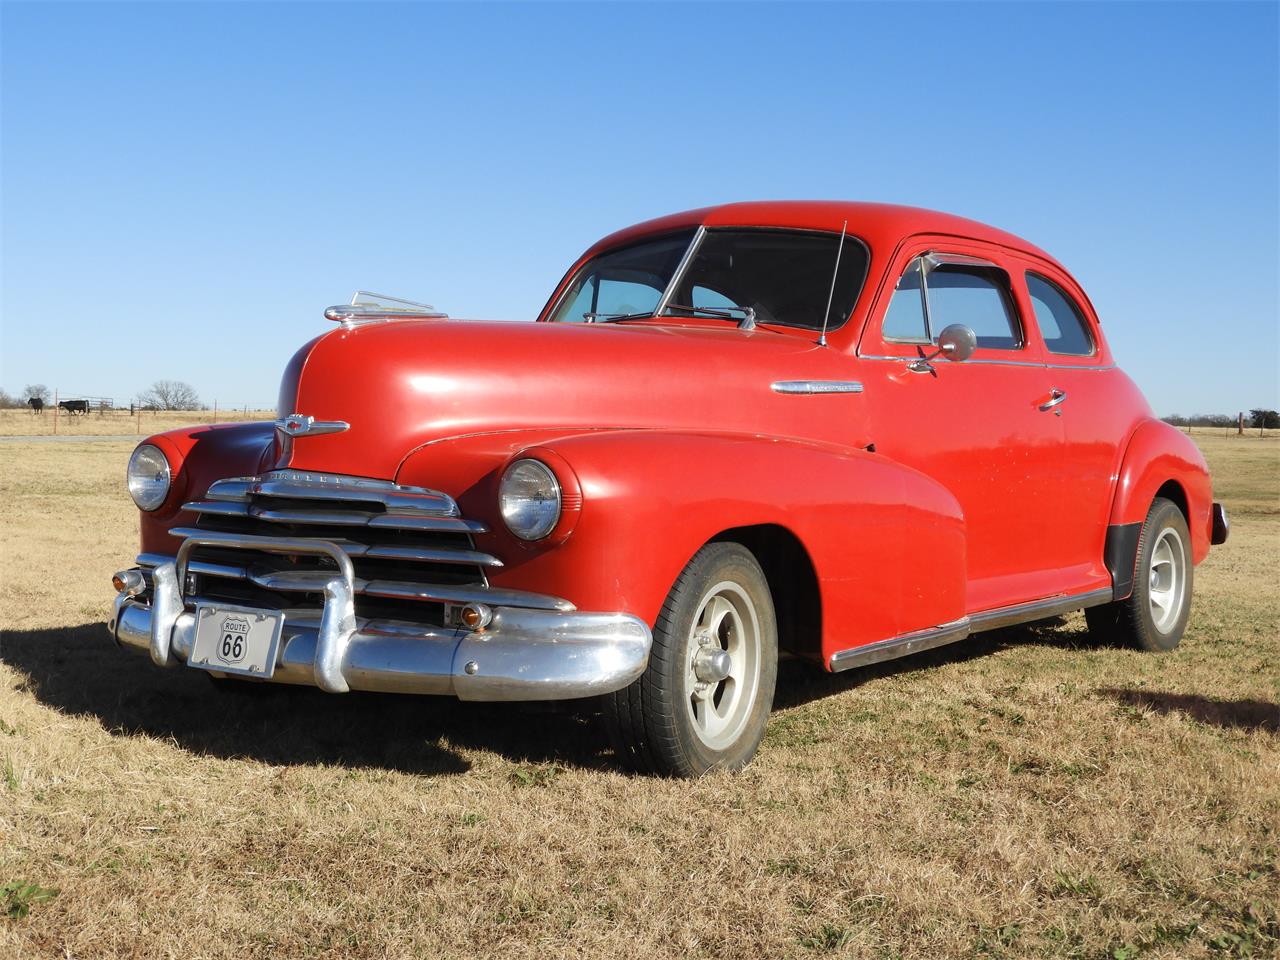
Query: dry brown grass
[
  {"x": 23, "y": 423},
  {"x": 1024, "y": 794}
]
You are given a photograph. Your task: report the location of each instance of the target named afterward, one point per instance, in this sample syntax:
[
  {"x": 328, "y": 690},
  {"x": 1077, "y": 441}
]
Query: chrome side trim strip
[
  {"x": 901, "y": 646},
  {"x": 1037, "y": 610},
  {"x": 926, "y": 639},
  {"x": 807, "y": 388}
]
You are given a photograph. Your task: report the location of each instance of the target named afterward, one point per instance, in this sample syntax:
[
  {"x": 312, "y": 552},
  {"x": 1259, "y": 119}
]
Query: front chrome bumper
[{"x": 522, "y": 654}]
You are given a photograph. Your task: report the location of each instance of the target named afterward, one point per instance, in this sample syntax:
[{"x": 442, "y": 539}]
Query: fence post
[
  {"x": 215, "y": 410},
  {"x": 55, "y": 410}
]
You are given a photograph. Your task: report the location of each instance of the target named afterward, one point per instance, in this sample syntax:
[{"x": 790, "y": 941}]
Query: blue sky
[{"x": 187, "y": 186}]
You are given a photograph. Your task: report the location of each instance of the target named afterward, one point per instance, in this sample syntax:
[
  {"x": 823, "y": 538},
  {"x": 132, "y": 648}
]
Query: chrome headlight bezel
[
  {"x": 149, "y": 478},
  {"x": 528, "y": 516}
]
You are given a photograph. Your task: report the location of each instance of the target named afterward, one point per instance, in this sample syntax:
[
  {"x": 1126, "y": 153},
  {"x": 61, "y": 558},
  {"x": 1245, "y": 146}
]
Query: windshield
[
  {"x": 623, "y": 282},
  {"x": 778, "y": 276}
]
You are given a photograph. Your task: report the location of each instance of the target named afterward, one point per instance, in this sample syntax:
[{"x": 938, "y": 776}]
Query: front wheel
[
  {"x": 704, "y": 699},
  {"x": 1154, "y": 616}
]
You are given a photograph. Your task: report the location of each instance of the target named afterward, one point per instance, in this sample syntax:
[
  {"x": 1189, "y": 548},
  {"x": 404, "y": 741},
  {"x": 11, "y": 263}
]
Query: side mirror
[{"x": 957, "y": 342}]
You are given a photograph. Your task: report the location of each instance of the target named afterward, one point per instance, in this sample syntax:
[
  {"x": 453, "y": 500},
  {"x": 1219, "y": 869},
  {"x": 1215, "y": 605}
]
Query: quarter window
[
  {"x": 931, "y": 295},
  {"x": 1061, "y": 324},
  {"x": 905, "y": 320}
]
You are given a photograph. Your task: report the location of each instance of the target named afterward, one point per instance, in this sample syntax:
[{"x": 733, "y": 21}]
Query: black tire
[
  {"x": 1133, "y": 621},
  {"x": 655, "y": 723}
]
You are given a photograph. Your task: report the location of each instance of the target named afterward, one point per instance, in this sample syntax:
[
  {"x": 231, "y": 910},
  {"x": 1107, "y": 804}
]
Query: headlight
[
  {"x": 148, "y": 477},
  {"x": 529, "y": 497}
]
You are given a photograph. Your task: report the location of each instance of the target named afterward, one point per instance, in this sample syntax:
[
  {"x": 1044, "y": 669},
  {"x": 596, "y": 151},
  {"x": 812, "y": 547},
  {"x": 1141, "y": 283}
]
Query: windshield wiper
[
  {"x": 591, "y": 317},
  {"x": 748, "y": 321}
]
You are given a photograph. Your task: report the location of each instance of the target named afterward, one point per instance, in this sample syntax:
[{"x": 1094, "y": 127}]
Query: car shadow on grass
[
  {"x": 1228, "y": 714},
  {"x": 800, "y": 682},
  {"x": 79, "y": 671}
]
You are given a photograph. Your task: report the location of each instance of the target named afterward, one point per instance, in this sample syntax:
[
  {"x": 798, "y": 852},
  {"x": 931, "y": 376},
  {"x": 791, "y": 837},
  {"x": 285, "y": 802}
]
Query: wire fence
[{"x": 74, "y": 413}]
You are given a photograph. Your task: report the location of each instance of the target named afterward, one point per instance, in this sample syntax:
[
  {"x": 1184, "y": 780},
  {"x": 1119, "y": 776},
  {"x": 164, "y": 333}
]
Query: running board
[{"x": 919, "y": 640}]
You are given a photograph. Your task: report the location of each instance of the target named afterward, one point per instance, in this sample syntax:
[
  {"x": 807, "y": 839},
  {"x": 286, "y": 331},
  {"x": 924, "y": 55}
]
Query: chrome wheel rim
[
  {"x": 722, "y": 668},
  {"x": 1167, "y": 580}
]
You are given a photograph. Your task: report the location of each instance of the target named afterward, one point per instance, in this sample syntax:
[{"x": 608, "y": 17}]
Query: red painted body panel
[
  {"x": 864, "y": 521},
  {"x": 1156, "y": 454},
  {"x": 917, "y": 501},
  {"x": 198, "y": 456}
]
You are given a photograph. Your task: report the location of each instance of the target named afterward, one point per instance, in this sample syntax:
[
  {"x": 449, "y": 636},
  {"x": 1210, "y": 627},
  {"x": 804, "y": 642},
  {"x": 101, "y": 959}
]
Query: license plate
[{"x": 236, "y": 639}]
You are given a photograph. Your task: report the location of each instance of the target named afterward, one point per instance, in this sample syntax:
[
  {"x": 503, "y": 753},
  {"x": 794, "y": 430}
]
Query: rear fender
[{"x": 1158, "y": 454}]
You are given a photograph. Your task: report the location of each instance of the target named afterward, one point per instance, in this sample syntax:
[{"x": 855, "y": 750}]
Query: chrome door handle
[{"x": 1056, "y": 396}]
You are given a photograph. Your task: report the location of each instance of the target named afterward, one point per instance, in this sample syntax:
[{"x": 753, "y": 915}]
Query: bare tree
[
  {"x": 7, "y": 402},
  {"x": 170, "y": 395},
  {"x": 36, "y": 391}
]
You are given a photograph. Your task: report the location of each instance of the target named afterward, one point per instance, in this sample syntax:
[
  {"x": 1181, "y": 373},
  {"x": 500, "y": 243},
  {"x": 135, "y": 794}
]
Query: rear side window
[
  {"x": 931, "y": 295},
  {"x": 1061, "y": 324}
]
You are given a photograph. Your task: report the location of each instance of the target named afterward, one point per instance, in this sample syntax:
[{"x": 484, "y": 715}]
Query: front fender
[
  {"x": 651, "y": 499},
  {"x": 198, "y": 456},
  {"x": 1156, "y": 454}
]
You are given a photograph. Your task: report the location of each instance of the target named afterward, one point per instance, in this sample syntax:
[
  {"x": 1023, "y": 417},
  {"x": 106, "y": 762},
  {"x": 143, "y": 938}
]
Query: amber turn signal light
[
  {"x": 129, "y": 581},
  {"x": 476, "y": 616}
]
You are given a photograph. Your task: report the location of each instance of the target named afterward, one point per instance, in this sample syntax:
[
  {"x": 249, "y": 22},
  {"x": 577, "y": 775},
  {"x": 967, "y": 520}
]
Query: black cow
[
  {"x": 36, "y": 404},
  {"x": 75, "y": 406}
]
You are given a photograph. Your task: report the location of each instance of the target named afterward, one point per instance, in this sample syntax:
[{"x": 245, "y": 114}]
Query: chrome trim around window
[
  {"x": 678, "y": 274},
  {"x": 806, "y": 388},
  {"x": 999, "y": 363}
]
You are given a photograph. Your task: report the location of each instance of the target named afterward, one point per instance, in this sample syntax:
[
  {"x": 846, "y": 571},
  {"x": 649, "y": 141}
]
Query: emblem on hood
[{"x": 300, "y": 425}]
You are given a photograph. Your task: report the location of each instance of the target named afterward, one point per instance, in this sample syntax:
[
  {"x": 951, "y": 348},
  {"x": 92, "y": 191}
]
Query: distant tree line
[
  {"x": 161, "y": 395},
  {"x": 1259, "y": 418}
]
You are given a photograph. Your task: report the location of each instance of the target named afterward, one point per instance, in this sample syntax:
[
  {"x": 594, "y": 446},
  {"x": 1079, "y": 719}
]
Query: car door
[
  {"x": 1097, "y": 404},
  {"x": 982, "y": 427}
]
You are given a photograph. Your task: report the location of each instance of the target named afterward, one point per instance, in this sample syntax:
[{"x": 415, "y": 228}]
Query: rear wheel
[
  {"x": 704, "y": 699},
  {"x": 1154, "y": 616}
]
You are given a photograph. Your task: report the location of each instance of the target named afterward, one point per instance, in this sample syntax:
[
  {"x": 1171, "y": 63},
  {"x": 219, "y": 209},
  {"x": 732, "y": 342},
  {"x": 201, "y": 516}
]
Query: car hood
[{"x": 404, "y": 384}]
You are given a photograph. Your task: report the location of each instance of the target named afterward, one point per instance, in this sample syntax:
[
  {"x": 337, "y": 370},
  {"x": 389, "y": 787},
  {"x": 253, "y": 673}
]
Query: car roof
[{"x": 880, "y": 225}]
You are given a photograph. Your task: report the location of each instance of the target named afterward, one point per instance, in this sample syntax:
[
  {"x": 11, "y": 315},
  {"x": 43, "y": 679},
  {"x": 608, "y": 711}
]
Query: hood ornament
[
  {"x": 366, "y": 307},
  {"x": 300, "y": 425}
]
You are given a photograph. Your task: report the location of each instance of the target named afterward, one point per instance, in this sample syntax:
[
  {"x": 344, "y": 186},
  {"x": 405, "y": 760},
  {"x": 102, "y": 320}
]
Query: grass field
[{"x": 1021, "y": 794}]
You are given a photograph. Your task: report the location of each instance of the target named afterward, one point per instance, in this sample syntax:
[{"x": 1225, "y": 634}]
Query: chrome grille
[{"x": 413, "y": 554}]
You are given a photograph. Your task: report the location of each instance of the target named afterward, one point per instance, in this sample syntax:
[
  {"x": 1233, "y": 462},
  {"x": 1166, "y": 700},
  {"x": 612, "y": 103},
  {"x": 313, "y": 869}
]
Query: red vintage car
[{"x": 843, "y": 432}]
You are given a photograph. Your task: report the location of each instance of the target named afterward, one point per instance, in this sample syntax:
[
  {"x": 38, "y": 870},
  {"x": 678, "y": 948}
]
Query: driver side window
[{"x": 934, "y": 293}]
